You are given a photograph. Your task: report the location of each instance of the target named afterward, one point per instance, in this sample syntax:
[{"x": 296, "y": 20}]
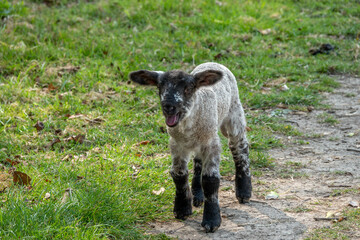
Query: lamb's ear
[
  {"x": 145, "y": 77},
  {"x": 207, "y": 78}
]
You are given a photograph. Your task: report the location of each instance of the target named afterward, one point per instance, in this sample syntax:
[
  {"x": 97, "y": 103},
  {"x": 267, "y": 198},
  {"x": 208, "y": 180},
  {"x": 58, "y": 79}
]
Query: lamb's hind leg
[
  {"x": 196, "y": 189},
  {"x": 234, "y": 129},
  {"x": 240, "y": 151}
]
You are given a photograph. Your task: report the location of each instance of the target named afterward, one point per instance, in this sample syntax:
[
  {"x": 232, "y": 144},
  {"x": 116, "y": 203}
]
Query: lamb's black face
[{"x": 176, "y": 89}]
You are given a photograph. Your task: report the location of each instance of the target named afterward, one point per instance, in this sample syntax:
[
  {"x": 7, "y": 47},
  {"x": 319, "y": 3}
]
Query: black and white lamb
[{"x": 195, "y": 107}]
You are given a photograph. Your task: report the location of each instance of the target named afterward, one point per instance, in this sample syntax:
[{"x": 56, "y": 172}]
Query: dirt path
[{"x": 315, "y": 175}]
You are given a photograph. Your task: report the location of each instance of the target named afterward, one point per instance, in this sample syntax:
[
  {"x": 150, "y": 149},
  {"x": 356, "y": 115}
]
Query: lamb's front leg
[
  {"x": 180, "y": 175},
  {"x": 210, "y": 185}
]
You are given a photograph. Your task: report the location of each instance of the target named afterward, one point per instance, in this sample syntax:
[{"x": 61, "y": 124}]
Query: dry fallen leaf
[
  {"x": 78, "y": 178},
  {"x": 276, "y": 82},
  {"x": 160, "y": 191},
  {"x": 21, "y": 178},
  {"x": 78, "y": 138},
  {"x": 58, "y": 132},
  {"x": 95, "y": 121},
  {"x": 76, "y": 116},
  {"x": 51, "y": 87},
  {"x": 265, "y": 90},
  {"x": 53, "y": 142},
  {"x": 67, "y": 157},
  {"x": 66, "y": 195},
  {"x": 142, "y": 143},
  {"x": 12, "y": 162},
  {"x": 39, "y": 126}
]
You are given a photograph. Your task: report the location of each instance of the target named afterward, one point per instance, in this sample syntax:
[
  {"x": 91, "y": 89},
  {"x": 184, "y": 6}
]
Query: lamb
[{"x": 195, "y": 107}]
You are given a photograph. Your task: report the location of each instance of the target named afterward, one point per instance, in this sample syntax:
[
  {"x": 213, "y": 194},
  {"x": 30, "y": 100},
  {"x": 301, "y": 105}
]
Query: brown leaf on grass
[
  {"x": 218, "y": 56},
  {"x": 276, "y": 82},
  {"x": 78, "y": 178},
  {"x": 265, "y": 90},
  {"x": 51, "y": 87},
  {"x": 78, "y": 138},
  {"x": 58, "y": 132},
  {"x": 53, "y": 142},
  {"x": 95, "y": 121},
  {"x": 310, "y": 108},
  {"x": 67, "y": 158},
  {"x": 21, "y": 178},
  {"x": 12, "y": 163},
  {"x": 248, "y": 129},
  {"x": 142, "y": 143},
  {"x": 78, "y": 115},
  {"x": 39, "y": 126},
  {"x": 66, "y": 195}
]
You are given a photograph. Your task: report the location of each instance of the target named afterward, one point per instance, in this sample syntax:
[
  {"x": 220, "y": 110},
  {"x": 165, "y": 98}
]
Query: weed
[{"x": 327, "y": 118}]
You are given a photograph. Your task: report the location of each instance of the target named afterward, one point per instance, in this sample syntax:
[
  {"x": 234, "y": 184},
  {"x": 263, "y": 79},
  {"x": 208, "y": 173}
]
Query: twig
[
  {"x": 353, "y": 150},
  {"x": 330, "y": 219},
  {"x": 339, "y": 186}
]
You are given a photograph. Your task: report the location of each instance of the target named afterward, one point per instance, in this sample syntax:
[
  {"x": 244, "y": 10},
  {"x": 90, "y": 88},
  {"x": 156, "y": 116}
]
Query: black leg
[
  {"x": 243, "y": 185},
  {"x": 211, "y": 218},
  {"x": 198, "y": 196},
  {"x": 182, "y": 207}
]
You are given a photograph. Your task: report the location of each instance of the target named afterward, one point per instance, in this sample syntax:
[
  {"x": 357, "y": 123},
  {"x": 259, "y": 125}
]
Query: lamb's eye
[{"x": 187, "y": 90}]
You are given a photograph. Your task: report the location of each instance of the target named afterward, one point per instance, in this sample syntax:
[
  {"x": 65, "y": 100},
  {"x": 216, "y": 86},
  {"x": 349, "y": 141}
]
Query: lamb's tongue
[{"x": 171, "y": 120}]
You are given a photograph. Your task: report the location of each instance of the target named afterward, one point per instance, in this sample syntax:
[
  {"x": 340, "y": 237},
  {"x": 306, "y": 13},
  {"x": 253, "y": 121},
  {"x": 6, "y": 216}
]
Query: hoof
[
  {"x": 183, "y": 213},
  {"x": 210, "y": 226},
  {"x": 243, "y": 200}
]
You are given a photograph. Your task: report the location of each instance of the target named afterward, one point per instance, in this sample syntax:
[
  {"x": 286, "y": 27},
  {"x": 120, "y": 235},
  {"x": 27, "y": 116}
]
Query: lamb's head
[{"x": 176, "y": 89}]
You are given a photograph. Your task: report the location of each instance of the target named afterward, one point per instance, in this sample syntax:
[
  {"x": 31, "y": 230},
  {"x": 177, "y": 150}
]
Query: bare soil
[{"x": 316, "y": 175}]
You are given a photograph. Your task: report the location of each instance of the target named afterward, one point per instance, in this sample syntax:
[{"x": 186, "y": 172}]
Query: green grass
[{"x": 65, "y": 63}]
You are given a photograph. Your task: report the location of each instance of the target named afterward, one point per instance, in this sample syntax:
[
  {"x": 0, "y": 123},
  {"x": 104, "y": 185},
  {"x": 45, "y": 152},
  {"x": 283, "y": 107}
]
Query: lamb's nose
[{"x": 168, "y": 108}]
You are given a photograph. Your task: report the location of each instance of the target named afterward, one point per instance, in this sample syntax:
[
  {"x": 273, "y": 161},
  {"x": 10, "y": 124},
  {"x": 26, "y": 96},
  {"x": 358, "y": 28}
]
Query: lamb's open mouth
[{"x": 172, "y": 120}]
